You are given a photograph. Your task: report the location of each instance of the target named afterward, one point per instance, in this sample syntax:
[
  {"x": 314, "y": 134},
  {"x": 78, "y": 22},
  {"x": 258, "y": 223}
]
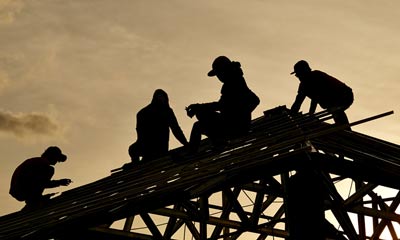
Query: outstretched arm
[
  {"x": 313, "y": 106},
  {"x": 57, "y": 183},
  {"x": 297, "y": 103},
  {"x": 197, "y": 108},
  {"x": 176, "y": 129}
]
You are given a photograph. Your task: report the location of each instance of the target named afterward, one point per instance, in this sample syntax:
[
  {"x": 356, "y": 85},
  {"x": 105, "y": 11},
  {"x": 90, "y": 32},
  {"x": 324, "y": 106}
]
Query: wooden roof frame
[{"x": 179, "y": 187}]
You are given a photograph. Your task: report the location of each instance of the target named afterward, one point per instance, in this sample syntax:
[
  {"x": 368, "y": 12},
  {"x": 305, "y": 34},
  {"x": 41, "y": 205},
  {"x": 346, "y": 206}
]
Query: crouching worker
[
  {"x": 323, "y": 89},
  {"x": 33, "y": 176},
  {"x": 230, "y": 116}
]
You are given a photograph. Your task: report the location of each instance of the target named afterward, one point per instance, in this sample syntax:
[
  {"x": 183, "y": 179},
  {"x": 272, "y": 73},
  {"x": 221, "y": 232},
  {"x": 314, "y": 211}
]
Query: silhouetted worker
[
  {"x": 231, "y": 115},
  {"x": 322, "y": 89},
  {"x": 153, "y": 123},
  {"x": 33, "y": 176}
]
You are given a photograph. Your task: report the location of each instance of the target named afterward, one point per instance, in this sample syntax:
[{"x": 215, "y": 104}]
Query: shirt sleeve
[
  {"x": 299, "y": 99},
  {"x": 176, "y": 129},
  {"x": 45, "y": 175}
]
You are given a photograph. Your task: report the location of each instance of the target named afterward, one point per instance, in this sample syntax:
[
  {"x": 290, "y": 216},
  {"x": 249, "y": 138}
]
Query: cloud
[
  {"x": 4, "y": 80},
  {"x": 25, "y": 125},
  {"x": 9, "y": 9}
]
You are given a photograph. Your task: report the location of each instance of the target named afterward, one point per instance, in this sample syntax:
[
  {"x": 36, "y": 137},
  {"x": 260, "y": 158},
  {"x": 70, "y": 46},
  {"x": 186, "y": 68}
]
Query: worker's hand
[
  {"x": 64, "y": 182},
  {"x": 192, "y": 109}
]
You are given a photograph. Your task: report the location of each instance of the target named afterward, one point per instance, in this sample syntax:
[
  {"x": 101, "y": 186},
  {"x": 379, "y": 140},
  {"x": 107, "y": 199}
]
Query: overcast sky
[{"x": 75, "y": 73}]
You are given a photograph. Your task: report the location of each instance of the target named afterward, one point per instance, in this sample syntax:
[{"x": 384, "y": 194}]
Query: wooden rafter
[{"x": 180, "y": 187}]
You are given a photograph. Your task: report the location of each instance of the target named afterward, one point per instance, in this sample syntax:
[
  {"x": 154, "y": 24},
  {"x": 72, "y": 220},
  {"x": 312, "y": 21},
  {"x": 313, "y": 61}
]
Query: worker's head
[
  {"x": 160, "y": 98},
  {"x": 53, "y": 154},
  {"x": 224, "y": 68},
  {"x": 301, "y": 68}
]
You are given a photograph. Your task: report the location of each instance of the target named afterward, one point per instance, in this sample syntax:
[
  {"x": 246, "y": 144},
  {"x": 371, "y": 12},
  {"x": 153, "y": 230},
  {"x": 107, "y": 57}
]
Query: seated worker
[
  {"x": 231, "y": 115},
  {"x": 153, "y": 123},
  {"x": 33, "y": 176},
  {"x": 322, "y": 89}
]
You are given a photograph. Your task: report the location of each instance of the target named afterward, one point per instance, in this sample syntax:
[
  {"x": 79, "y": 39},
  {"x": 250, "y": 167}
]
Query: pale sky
[{"x": 75, "y": 73}]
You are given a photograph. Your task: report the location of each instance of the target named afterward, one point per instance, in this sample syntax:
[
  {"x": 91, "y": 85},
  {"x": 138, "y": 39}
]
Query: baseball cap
[
  {"x": 219, "y": 64},
  {"x": 55, "y": 152},
  {"x": 301, "y": 66}
]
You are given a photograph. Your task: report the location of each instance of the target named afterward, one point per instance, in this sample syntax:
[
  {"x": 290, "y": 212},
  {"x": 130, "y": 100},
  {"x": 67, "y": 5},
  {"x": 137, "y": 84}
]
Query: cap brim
[
  {"x": 63, "y": 157},
  {"x": 211, "y": 73}
]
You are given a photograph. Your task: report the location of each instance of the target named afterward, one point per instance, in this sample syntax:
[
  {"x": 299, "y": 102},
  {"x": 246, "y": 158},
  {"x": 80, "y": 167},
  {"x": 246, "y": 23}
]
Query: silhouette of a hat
[
  {"x": 301, "y": 66},
  {"x": 219, "y": 64},
  {"x": 55, "y": 152}
]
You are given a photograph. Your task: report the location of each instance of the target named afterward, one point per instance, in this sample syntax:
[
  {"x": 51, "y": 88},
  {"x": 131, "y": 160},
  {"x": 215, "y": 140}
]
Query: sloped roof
[{"x": 278, "y": 141}]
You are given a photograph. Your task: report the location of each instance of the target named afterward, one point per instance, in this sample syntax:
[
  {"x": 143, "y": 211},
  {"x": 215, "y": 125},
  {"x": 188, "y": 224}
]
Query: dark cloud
[{"x": 27, "y": 124}]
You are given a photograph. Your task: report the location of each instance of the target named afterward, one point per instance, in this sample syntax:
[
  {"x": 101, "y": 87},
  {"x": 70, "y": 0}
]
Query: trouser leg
[
  {"x": 195, "y": 136},
  {"x": 340, "y": 118},
  {"x": 34, "y": 199}
]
